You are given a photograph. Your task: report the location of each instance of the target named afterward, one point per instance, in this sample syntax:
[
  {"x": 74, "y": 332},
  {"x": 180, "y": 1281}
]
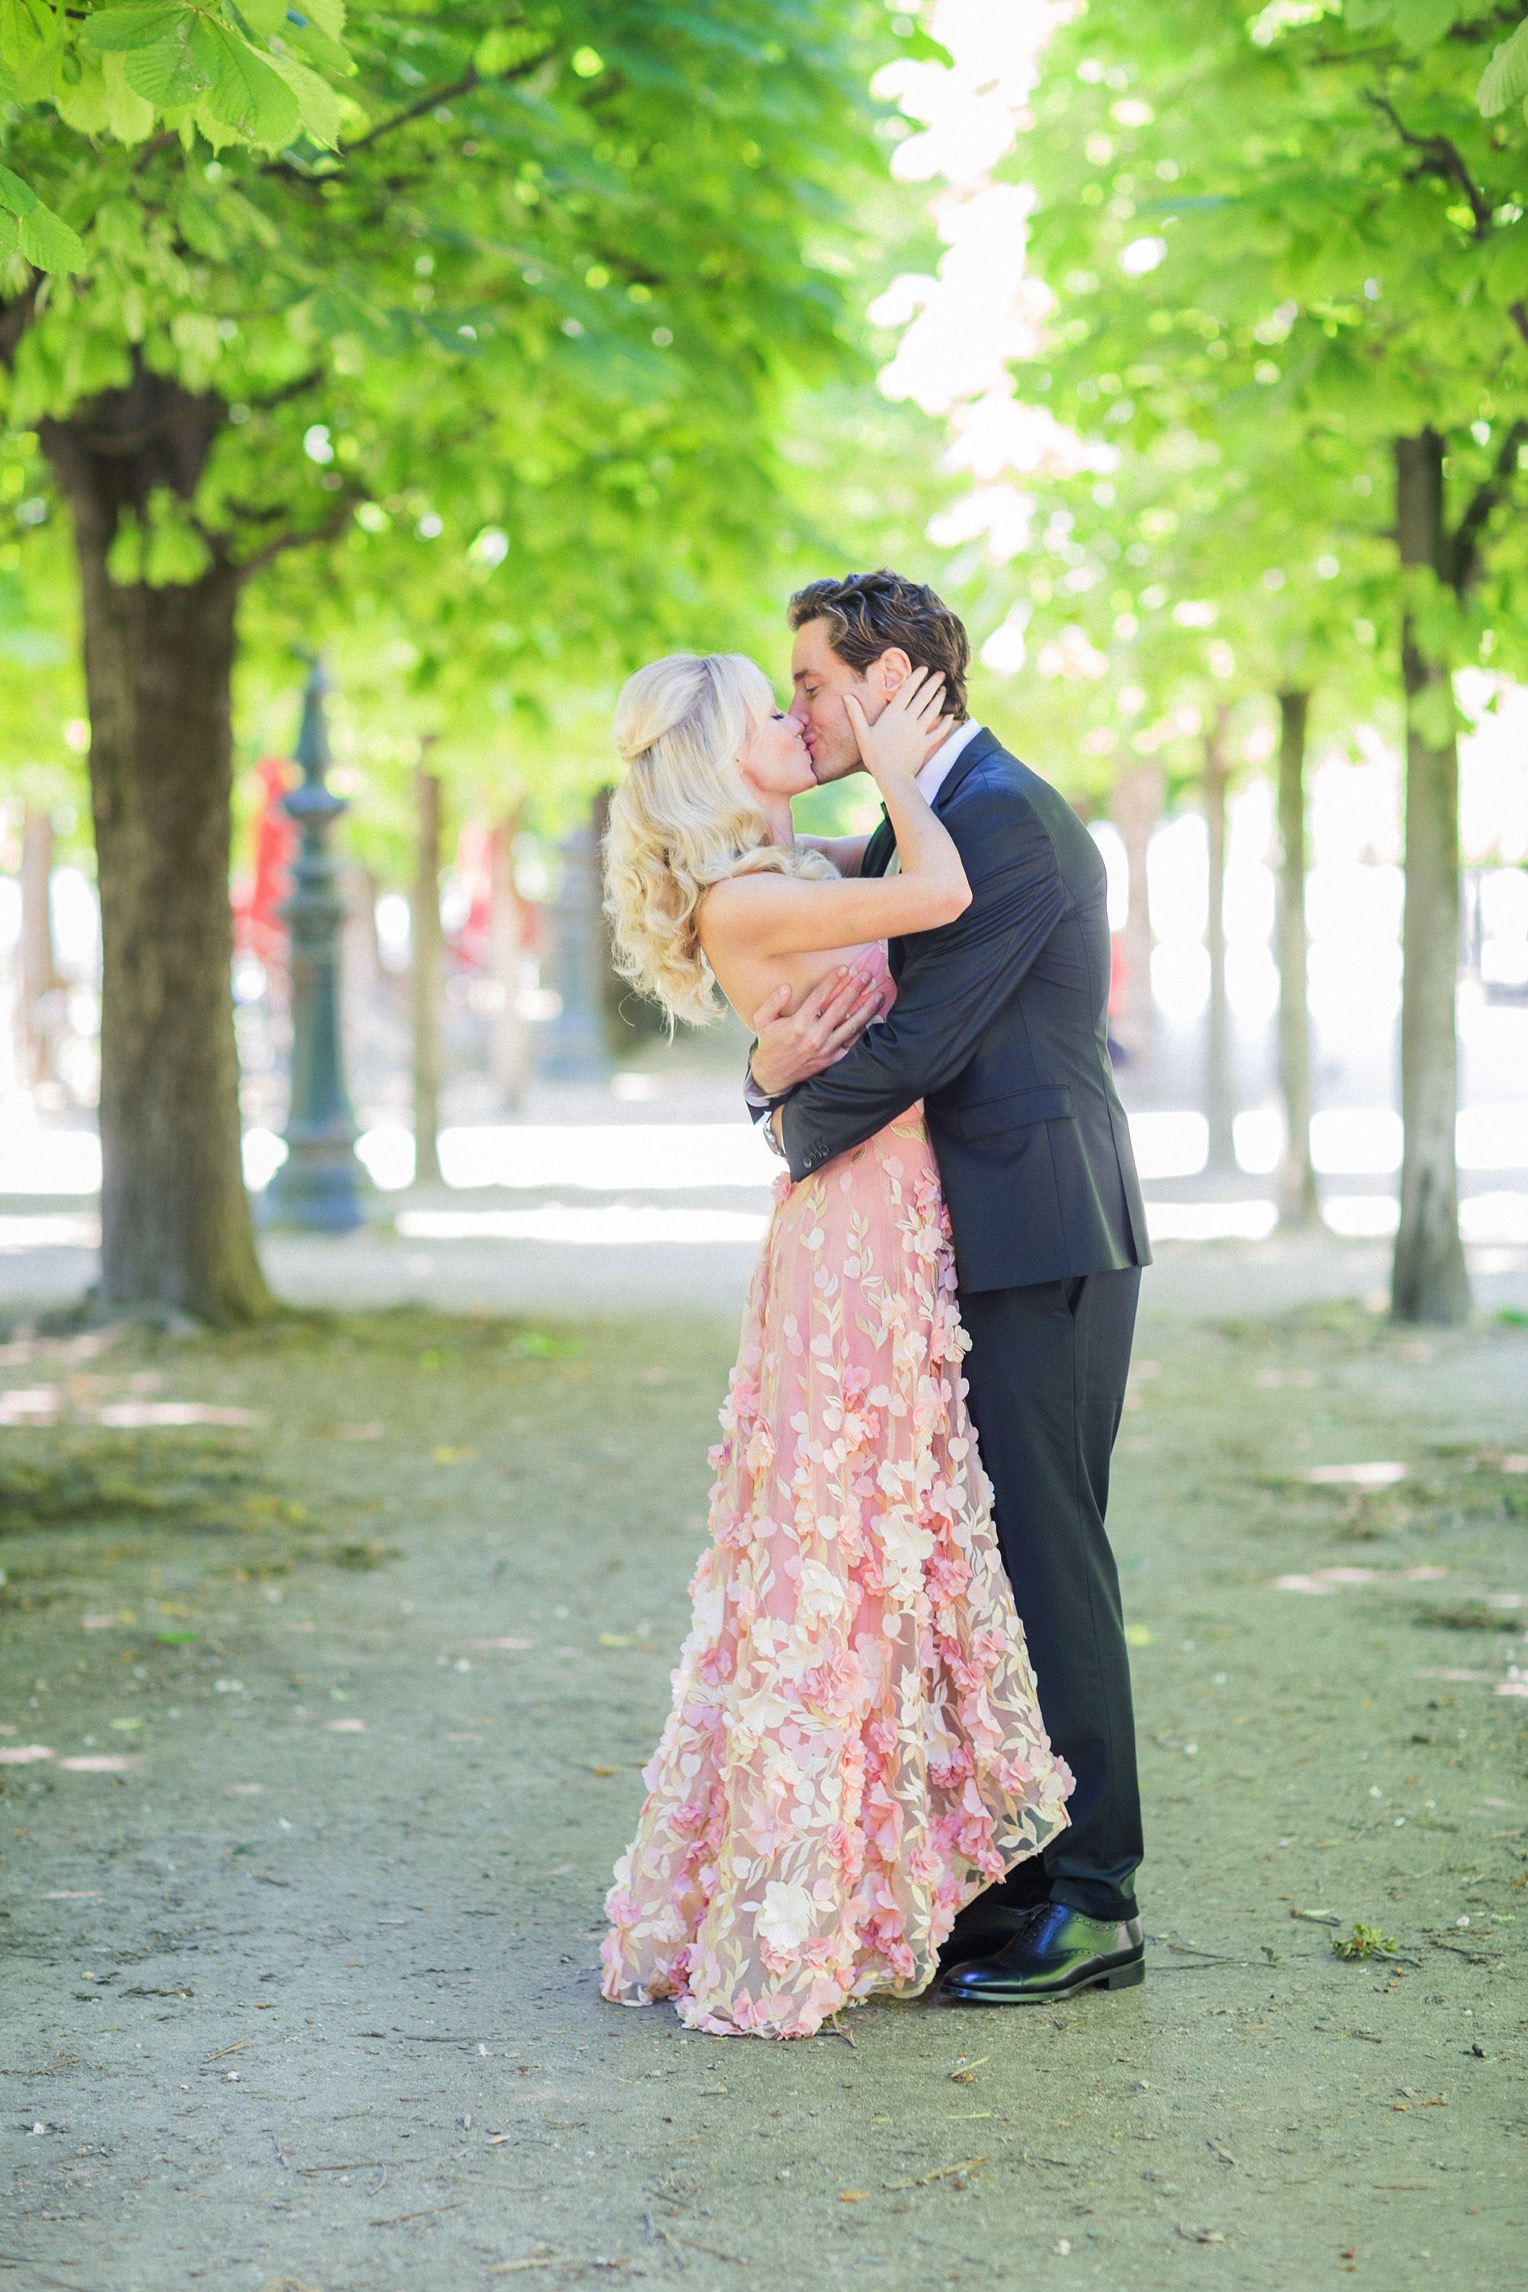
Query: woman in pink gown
[{"x": 855, "y": 1748}]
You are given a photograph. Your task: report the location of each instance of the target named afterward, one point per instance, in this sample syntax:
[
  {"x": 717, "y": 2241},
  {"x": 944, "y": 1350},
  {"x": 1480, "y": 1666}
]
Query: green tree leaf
[
  {"x": 298, "y": 32},
  {"x": 319, "y": 105},
  {"x": 80, "y": 94},
  {"x": 31, "y": 42},
  {"x": 16, "y": 197},
  {"x": 129, "y": 118},
  {"x": 1418, "y": 23},
  {"x": 170, "y": 73},
  {"x": 1505, "y": 77},
  {"x": 121, "y": 30},
  {"x": 44, "y": 238},
  {"x": 48, "y": 242},
  {"x": 246, "y": 93},
  {"x": 328, "y": 15}
]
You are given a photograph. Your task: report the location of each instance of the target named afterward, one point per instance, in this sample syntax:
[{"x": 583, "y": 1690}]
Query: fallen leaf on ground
[
  {"x": 1365, "y": 1942},
  {"x": 940, "y": 2173},
  {"x": 854, "y": 2196}
]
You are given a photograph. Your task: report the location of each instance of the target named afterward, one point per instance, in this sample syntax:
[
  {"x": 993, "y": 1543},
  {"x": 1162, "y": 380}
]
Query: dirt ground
[{"x": 344, "y": 1701}]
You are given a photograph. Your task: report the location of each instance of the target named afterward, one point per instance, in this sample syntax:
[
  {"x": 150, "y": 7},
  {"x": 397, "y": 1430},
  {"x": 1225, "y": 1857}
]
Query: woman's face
[{"x": 773, "y": 759}]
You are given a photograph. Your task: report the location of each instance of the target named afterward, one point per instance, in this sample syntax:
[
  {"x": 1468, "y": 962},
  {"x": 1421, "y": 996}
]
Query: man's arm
[
  {"x": 794, "y": 1044},
  {"x": 953, "y": 982},
  {"x": 845, "y": 852}
]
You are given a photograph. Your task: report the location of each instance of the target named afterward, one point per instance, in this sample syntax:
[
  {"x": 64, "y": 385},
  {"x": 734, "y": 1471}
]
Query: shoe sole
[{"x": 1118, "y": 1978}]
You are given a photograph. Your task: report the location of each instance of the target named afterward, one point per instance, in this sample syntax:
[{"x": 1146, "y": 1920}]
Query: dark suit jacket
[{"x": 1000, "y": 1027}]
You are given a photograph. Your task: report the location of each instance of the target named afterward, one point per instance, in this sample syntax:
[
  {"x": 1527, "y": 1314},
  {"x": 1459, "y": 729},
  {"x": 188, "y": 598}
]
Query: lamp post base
[{"x": 317, "y": 1188}]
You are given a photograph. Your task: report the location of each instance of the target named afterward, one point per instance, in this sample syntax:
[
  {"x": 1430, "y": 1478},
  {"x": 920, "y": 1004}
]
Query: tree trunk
[
  {"x": 176, "y": 1230},
  {"x": 1298, "y": 1203},
  {"x": 426, "y": 952},
  {"x": 38, "y": 997},
  {"x": 1219, "y": 1089},
  {"x": 1135, "y": 808},
  {"x": 1429, "y": 1280},
  {"x": 509, "y": 1049}
]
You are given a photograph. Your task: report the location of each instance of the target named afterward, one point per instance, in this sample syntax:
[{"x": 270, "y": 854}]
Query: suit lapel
[
  {"x": 883, "y": 843},
  {"x": 985, "y": 744},
  {"x": 879, "y": 849}
]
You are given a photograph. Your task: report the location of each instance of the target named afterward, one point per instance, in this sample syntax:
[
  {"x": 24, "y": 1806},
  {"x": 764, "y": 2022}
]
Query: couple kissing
[{"x": 901, "y": 1748}]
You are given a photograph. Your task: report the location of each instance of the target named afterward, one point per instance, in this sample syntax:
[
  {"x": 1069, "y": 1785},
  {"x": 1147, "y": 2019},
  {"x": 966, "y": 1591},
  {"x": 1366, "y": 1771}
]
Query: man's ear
[{"x": 892, "y": 670}]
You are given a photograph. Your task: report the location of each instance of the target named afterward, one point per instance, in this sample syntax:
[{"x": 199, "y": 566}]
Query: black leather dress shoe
[
  {"x": 1055, "y": 1952},
  {"x": 984, "y": 1927}
]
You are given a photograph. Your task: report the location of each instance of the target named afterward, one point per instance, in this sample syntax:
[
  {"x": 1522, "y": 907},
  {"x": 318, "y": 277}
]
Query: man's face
[{"x": 820, "y": 680}]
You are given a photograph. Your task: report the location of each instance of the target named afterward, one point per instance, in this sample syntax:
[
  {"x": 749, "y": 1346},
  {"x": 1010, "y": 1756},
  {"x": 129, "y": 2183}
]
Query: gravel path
[{"x": 303, "y": 1994}]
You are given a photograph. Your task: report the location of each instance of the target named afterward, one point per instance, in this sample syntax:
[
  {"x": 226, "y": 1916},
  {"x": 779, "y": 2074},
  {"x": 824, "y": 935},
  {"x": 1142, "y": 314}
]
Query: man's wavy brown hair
[{"x": 869, "y": 613}]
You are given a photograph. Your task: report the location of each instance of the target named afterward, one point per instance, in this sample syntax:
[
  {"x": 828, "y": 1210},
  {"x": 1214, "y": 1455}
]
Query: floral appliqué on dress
[{"x": 855, "y": 1747}]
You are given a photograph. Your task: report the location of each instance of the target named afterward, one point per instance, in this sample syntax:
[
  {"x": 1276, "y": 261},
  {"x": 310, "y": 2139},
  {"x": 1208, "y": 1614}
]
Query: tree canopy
[{"x": 501, "y": 342}]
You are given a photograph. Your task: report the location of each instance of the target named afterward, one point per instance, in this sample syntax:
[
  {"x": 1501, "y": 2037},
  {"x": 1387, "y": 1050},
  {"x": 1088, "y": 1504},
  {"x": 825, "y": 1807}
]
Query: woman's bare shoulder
[{"x": 735, "y": 897}]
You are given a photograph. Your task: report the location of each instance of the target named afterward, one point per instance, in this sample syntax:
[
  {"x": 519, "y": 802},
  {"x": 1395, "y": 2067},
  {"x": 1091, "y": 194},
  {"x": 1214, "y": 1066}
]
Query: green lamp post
[{"x": 316, "y": 1186}]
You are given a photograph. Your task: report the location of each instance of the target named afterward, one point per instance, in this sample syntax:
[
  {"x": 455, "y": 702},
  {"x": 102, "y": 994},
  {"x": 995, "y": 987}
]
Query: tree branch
[
  {"x": 288, "y": 391},
  {"x": 151, "y": 150},
  {"x": 1464, "y": 546},
  {"x": 1444, "y": 159},
  {"x": 470, "y": 80},
  {"x": 330, "y": 530},
  {"x": 15, "y": 318}
]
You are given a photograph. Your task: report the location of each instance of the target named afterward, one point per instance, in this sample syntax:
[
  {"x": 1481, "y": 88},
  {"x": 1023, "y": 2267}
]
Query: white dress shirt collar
[{"x": 935, "y": 772}]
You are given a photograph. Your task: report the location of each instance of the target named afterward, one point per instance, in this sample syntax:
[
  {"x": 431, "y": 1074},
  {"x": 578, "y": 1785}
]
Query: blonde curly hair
[{"x": 683, "y": 818}]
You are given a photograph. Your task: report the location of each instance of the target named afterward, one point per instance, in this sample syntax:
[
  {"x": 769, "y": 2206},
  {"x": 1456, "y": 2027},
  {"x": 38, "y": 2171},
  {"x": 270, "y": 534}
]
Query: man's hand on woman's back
[{"x": 793, "y": 1045}]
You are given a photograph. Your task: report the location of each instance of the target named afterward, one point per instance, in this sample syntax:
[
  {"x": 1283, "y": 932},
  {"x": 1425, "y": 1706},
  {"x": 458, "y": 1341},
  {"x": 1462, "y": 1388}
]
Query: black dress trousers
[{"x": 1047, "y": 1370}]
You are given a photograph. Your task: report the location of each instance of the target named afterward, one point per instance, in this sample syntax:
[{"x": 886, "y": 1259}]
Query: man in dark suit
[{"x": 1000, "y": 1028}]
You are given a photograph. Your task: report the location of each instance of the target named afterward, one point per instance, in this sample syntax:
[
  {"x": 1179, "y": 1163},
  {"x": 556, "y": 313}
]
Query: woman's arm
[
  {"x": 950, "y": 986},
  {"x": 763, "y": 915}
]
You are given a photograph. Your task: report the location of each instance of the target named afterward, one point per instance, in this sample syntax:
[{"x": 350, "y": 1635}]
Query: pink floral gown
[{"x": 855, "y": 1747}]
